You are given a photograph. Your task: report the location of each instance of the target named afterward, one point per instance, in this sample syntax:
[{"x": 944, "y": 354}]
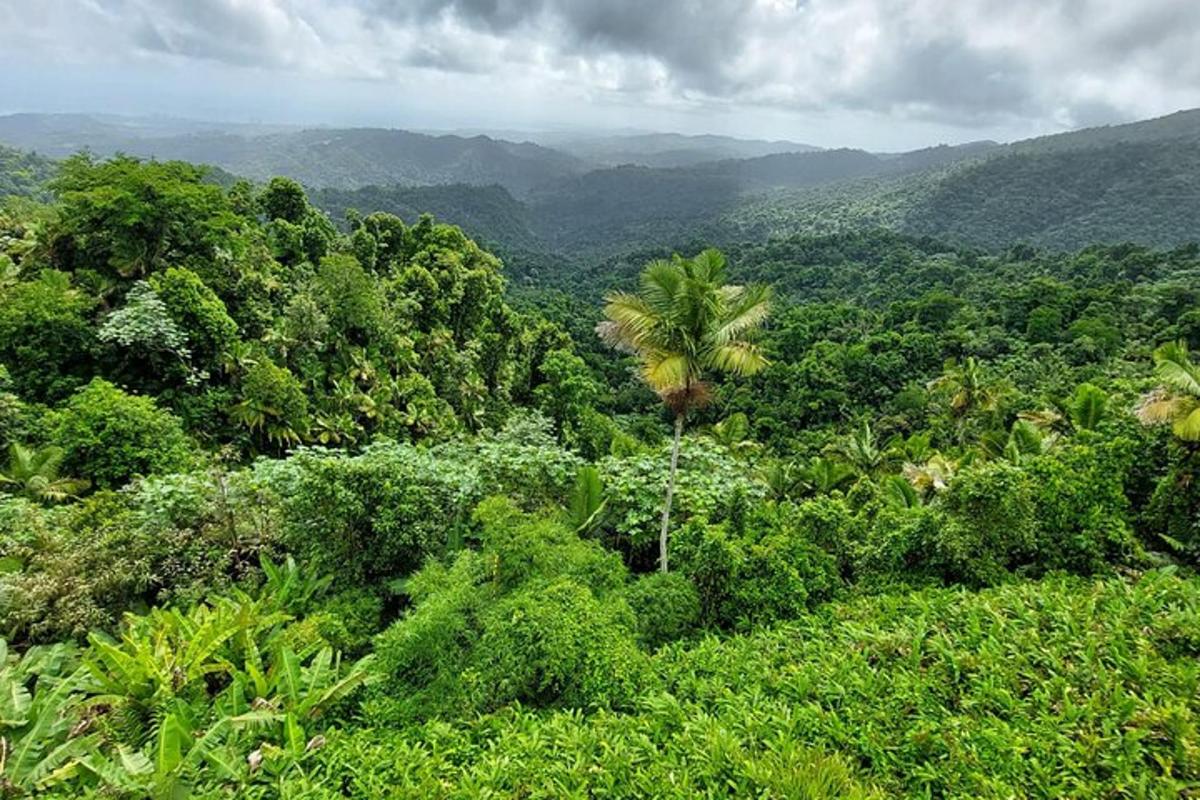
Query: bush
[
  {"x": 666, "y": 606},
  {"x": 990, "y": 525},
  {"x": 770, "y": 570},
  {"x": 522, "y": 461},
  {"x": 535, "y": 616},
  {"x": 708, "y": 481},
  {"x": 1082, "y": 511},
  {"x": 558, "y": 644},
  {"x": 897, "y": 550},
  {"x": 377, "y": 515},
  {"x": 46, "y": 339},
  {"x": 170, "y": 539},
  {"x": 109, "y": 436}
]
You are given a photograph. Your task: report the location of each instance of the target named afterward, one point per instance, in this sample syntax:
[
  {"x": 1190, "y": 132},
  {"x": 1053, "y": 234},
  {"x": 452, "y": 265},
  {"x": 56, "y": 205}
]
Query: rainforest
[
  {"x": 304, "y": 507},
  {"x": 486, "y": 400}
]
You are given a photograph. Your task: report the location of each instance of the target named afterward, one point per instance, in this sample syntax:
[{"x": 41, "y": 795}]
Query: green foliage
[
  {"x": 1177, "y": 400},
  {"x": 521, "y": 460},
  {"x": 535, "y": 616},
  {"x": 221, "y": 691},
  {"x": 34, "y": 474},
  {"x": 666, "y": 605},
  {"x": 272, "y": 404},
  {"x": 587, "y": 500},
  {"x": 708, "y": 480},
  {"x": 125, "y": 219},
  {"x": 765, "y": 567},
  {"x": 41, "y": 738},
  {"x": 933, "y": 693},
  {"x": 76, "y": 568},
  {"x": 198, "y": 312},
  {"x": 23, "y": 174},
  {"x": 45, "y": 337},
  {"x": 108, "y": 436},
  {"x": 378, "y": 515}
]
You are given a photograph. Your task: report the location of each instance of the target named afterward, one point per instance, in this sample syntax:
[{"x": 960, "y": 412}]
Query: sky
[{"x": 879, "y": 74}]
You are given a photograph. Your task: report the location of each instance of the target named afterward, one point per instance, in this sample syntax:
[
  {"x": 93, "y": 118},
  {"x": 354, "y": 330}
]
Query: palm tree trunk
[{"x": 666, "y": 517}]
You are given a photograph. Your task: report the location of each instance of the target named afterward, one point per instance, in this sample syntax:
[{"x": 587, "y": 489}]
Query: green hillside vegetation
[
  {"x": 558, "y": 213},
  {"x": 297, "y": 508},
  {"x": 23, "y": 174}
]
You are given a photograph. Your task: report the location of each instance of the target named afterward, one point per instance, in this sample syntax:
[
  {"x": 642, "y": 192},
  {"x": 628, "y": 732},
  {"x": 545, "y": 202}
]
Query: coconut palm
[
  {"x": 684, "y": 323},
  {"x": 34, "y": 474},
  {"x": 1176, "y": 401}
]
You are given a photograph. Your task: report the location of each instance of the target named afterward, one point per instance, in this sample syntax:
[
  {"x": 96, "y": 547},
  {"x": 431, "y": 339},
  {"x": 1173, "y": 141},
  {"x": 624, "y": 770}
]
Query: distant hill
[
  {"x": 1138, "y": 182},
  {"x": 342, "y": 158},
  {"x": 665, "y": 149}
]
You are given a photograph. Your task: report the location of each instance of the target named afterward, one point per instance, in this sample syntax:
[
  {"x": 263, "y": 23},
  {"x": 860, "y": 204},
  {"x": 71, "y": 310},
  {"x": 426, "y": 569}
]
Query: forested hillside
[
  {"x": 1133, "y": 183},
  {"x": 340, "y": 158},
  {"x": 292, "y": 507}
]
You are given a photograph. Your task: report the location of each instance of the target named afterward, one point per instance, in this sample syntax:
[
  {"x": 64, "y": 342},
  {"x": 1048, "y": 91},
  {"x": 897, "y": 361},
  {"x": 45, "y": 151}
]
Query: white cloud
[{"x": 960, "y": 63}]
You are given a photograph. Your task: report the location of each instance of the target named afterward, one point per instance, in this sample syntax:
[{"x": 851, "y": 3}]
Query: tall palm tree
[
  {"x": 1177, "y": 400},
  {"x": 684, "y": 323},
  {"x": 34, "y": 474}
]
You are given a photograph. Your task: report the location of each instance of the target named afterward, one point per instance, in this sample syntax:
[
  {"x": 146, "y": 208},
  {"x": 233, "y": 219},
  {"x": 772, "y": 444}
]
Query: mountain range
[{"x": 569, "y": 197}]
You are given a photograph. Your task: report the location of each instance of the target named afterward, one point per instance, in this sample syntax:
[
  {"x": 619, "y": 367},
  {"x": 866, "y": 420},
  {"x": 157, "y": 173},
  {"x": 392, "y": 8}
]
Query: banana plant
[
  {"x": 168, "y": 654},
  {"x": 43, "y": 737},
  {"x": 183, "y": 746}
]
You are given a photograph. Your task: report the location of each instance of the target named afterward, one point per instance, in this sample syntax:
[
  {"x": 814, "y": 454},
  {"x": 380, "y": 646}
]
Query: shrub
[
  {"x": 990, "y": 525},
  {"x": 1082, "y": 512},
  {"x": 535, "y": 616},
  {"x": 77, "y": 568},
  {"x": 666, "y": 606},
  {"x": 522, "y": 461},
  {"x": 708, "y": 481},
  {"x": 771, "y": 570},
  {"x": 377, "y": 515},
  {"x": 46, "y": 339},
  {"x": 109, "y": 436},
  {"x": 558, "y": 644}
]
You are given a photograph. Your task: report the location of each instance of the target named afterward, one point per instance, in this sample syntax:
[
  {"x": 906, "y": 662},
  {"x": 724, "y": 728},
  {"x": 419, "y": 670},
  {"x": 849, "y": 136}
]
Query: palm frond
[
  {"x": 1176, "y": 370},
  {"x": 629, "y": 321},
  {"x": 1187, "y": 426},
  {"x": 1157, "y": 408},
  {"x": 661, "y": 282},
  {"x": 748, "y": 310},
  {"x": 738, "y": 357},
  {"x": 709, "y": 266},
  {"x": 666, "y": 372}
]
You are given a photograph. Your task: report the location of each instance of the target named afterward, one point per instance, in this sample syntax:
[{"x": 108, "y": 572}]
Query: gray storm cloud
[{"x": 961, "y": 62}]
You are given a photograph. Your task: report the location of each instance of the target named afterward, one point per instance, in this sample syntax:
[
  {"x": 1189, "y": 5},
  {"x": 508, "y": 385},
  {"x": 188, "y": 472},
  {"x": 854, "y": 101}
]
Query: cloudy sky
[{"x": 871, "y": 73}]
